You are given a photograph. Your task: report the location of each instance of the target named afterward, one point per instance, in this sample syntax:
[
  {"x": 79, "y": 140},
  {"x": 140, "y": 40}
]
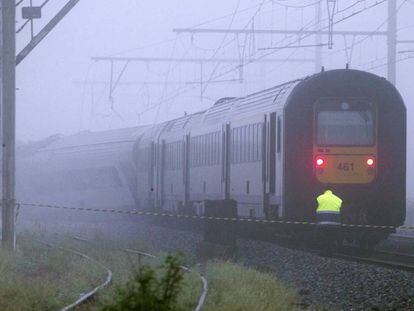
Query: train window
[
  {"x": 205, "y": 150},
  {"x": 202, "y": 151},
  {"x": 208, "y": 151},
  {"x": 258, "y": 144},
  {"x": 173, "y": 155},
  {"x": 345, "y": 124},
  {"x": 246, "y": 143}
]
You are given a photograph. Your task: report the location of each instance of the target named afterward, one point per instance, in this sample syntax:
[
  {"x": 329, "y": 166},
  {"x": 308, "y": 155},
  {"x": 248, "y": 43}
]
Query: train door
[
  {"x": 186, "y": 171},
  {"x": 269, "y": 165},
  {"x": 159, "y": 173},
  {"x": 278, "y": 194},
  {"x": 225, "y": 161},
  {"x": 151, "y": 174}
]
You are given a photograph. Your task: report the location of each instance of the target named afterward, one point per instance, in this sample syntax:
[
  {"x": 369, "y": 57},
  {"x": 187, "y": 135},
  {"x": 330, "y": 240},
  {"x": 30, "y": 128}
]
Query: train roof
[
  {"x": 259, "y": 102},
  {"x": 88, "y": 138},
  {"x": 226, "y": 109},
  {"x": 229, "y": 108}
]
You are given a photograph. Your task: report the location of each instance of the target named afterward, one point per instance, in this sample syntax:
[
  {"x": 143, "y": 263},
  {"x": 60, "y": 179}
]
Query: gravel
[
  {"x": 335, "y": 283},
  {"x": 320, "y": 281}
]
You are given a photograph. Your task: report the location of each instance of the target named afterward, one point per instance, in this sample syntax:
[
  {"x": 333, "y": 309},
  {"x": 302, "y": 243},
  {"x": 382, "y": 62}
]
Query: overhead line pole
[
  {"x": 46, "y": 30},
  {"x": 8, "y": 62},
  {"x": 392, "y": 41},
  {"x": 8, "y": 101},
  {"x": 318, "y": 37}
]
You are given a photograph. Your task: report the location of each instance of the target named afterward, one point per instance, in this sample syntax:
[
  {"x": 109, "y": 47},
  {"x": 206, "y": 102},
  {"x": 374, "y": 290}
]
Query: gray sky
[{"x": 48, "y": 100}]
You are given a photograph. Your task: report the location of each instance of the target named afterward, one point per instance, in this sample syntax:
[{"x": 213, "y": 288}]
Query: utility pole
[
  {"x": 8, "y": 101},
  {"x": 392, "y": 41},
  {"x": 331, "y": 4}
]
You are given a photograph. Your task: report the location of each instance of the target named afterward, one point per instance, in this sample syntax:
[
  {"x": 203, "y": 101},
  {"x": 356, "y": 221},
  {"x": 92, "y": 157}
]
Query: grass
[
  {"x": 234, "y": 287},
  {"x": 37, "y": 277}
]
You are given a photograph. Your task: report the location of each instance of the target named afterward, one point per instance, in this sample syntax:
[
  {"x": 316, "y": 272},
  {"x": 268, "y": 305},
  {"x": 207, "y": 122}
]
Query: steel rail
[
  {"x": 203, "y": 295},
  {"x": 92, "y": 292},
  {"x": 392, "y": 260},
  {"x": 388, "y": 259}
]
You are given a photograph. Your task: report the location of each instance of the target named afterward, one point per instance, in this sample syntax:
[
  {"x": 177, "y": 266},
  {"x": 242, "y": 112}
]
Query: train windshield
[{"x": 345, "y": 124}]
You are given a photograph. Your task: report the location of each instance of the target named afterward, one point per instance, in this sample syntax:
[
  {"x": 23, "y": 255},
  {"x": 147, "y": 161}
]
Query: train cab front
[{"x": 345, "y": 153}]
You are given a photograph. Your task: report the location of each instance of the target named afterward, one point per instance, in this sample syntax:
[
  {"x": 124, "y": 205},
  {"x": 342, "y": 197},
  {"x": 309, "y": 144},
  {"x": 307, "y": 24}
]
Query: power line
[
  {"x": 293, "y": 47},
  {"x": 228, "y": 15},
  {"x": 301, "y": 37},
  {"x": 375, "y": 30},
  {"x": 277, "y": 31},
  {"x": 296, "y": 6},
  {"x": 293, "y": 42},
  {"x": 149, "y": 59},
  {"x": 183, "y": 91},
  {"x": 398, "y": 60}
]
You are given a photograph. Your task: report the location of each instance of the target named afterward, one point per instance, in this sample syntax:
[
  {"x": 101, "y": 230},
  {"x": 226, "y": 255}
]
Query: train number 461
[{"x": 344, "y": 166}]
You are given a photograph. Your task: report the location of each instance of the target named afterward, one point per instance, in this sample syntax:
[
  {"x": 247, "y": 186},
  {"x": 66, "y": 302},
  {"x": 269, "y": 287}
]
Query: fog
[{"x": 53, "y": 97}]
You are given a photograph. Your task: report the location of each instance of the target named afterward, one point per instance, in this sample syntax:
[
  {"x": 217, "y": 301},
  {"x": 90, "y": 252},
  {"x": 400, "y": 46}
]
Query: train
[{"x": 272, "y": 152}]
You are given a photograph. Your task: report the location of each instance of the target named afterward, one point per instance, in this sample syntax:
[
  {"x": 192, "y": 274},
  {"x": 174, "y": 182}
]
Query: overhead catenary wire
[
  {"x": 248, "y": 62},
  {"x": 222, "y": 42},
  {"x": 206, "y": 82},
  {"x": 161, "y": 42},
  {"x": 401, "y": 59},
  {"x": 163, "y": 100},
  {"x": 301, "y": 37},
  {"x": 376, "y": 29},
  {"x": 280, "y": 3},
  {"x": 214, "y": 75}
]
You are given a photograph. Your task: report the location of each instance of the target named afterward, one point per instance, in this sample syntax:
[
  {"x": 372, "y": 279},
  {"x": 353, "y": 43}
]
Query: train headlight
[{"x": 370, "y": 162}]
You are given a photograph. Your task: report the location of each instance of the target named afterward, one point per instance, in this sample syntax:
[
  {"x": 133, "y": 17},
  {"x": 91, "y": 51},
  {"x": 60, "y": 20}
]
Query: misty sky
[{"x": 52, "y": 97}]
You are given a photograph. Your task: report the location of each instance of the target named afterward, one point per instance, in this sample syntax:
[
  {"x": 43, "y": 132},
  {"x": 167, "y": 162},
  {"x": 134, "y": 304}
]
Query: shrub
[{"x": 145, "y": 291}]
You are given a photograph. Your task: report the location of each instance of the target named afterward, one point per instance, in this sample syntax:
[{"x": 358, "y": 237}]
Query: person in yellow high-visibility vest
[
  {"x": 328, "y": 214},
  {"x": 329, "y": 208}
]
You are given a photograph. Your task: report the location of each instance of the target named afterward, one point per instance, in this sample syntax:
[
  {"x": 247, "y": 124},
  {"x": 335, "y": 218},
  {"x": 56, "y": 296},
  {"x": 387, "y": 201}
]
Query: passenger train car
[
  {"x": 272, "y": 152},
  {"x": 84, "y": 170}
]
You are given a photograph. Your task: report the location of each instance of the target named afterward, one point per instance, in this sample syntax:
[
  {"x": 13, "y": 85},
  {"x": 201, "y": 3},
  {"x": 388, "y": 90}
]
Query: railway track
[
  {"x": 203, "y": 280},
  {"x": 91, "y": 293},
  {"x": 389, "y": 259},
  {"x": 392, "y": 260}
]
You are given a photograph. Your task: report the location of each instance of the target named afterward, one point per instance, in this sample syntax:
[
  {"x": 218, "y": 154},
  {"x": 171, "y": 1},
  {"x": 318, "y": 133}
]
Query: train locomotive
[{"x": 272, "y": 152}]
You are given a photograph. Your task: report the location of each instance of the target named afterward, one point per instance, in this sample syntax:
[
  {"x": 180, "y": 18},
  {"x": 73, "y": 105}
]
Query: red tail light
[
  {"x": 320, "y": 162},
  {"x": 371, "y": 162}
]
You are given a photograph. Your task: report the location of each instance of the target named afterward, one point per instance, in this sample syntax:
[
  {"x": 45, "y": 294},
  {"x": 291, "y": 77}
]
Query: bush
[{"x": 145, "y": 291}]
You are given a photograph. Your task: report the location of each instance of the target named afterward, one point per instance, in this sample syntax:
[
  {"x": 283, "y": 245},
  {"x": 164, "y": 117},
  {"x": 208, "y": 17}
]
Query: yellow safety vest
[{"x": 328, "y": 202}]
